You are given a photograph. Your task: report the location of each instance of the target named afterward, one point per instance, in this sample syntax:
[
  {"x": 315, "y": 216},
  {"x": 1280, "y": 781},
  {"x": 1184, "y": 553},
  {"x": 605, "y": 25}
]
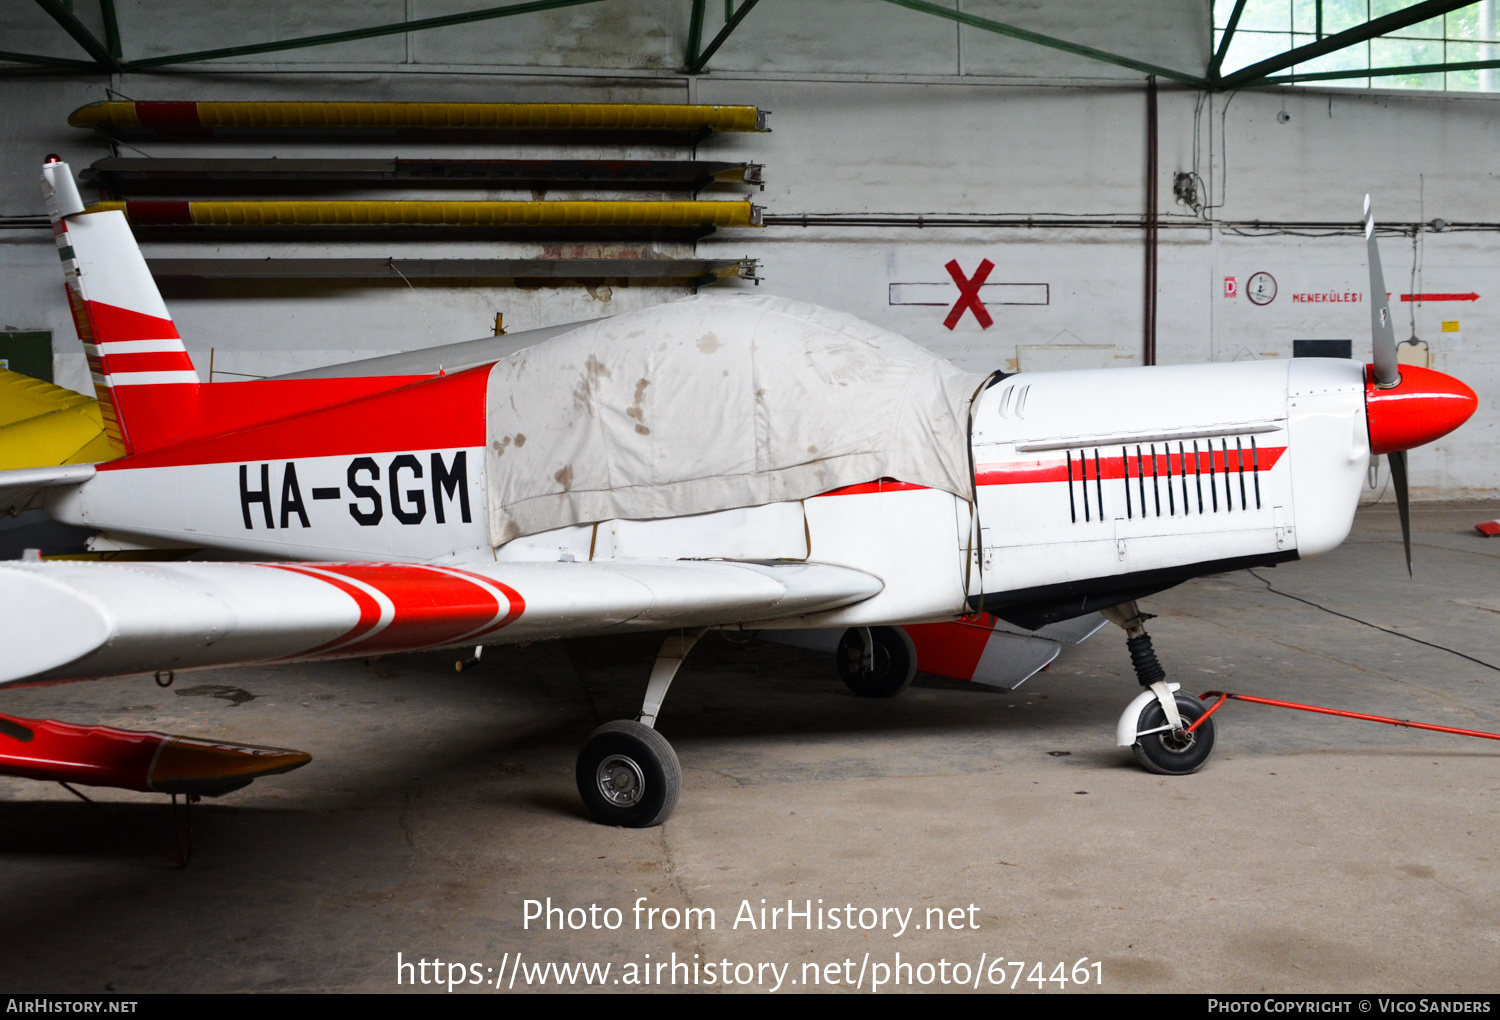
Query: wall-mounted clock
[{"x": 1261, "y": 289}]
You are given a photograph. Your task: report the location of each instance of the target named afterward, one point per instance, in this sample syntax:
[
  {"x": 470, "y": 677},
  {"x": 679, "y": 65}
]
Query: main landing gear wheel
[
  {"x": 628, "y": 775},
  {"x": 880, "y": 668},
  {"x": 1173, "y": 754}
]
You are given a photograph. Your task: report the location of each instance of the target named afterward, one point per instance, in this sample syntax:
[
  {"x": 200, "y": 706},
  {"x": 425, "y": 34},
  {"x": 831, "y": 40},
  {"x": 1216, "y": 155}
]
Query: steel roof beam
[
  {"x": 81, "y": 35},
  {"x": 351, "y": 35},
  {"x": 43, "y": 61},
  {"x": 111, "y": 27},
  {"x": 1393, "y": 22},
  {"x": 1229, "y": 27},
  {"x": 1381, "y": 72},
  {"x": 696, "y": 65},
  {"x": 695, "y": 33},
  {"x": 985, "y": 24}
]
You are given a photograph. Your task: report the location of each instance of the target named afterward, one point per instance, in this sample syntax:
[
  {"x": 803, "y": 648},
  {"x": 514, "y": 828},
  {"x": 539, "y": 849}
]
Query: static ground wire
[{"x": 1367, "y": 623}]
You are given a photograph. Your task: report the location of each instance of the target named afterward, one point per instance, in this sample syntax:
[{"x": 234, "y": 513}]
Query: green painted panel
[{"x": 29, "y": 353}]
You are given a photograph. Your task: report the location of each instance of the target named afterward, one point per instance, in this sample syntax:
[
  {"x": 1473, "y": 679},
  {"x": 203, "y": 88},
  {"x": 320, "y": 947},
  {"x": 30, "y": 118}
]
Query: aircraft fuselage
[{"x": 1089, "y": 484}]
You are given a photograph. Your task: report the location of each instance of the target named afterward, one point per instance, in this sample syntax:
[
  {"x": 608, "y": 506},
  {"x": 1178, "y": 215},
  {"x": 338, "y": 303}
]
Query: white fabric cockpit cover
[{"x": 712, "y": 403}]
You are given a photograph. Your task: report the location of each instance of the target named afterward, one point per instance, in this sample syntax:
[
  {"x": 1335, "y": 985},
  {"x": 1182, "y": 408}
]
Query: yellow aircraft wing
[{"x": 42, "y": 425}]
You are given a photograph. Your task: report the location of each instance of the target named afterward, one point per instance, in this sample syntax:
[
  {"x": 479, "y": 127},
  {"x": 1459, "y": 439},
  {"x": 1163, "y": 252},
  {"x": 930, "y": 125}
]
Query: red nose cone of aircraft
[{"x": 1424, "y": 406}]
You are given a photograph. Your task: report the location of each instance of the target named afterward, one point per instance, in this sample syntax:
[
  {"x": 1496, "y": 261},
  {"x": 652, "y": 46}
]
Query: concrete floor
[{"x": 1310, "y": 854}]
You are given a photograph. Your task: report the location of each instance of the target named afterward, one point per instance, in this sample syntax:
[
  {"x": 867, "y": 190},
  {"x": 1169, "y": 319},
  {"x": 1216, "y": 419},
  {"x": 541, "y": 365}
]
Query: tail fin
[{"x": 125, "y": 327}]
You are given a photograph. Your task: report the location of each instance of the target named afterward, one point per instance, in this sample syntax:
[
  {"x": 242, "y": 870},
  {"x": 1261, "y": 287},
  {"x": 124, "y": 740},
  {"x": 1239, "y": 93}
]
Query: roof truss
[{"x": 106, "y": 55}]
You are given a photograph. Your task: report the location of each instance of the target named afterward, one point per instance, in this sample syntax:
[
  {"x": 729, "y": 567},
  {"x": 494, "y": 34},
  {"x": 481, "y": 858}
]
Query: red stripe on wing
[
  {"x": 369, "y": 609},
  {"x": 433, "y": 606},
  {"x": 515, "y": 604}
]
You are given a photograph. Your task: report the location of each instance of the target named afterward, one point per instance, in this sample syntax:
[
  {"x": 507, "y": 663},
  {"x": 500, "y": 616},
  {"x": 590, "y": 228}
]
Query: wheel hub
[
  {"x": 621, "y": 781},
  {"x": 1179, "y": 741}
]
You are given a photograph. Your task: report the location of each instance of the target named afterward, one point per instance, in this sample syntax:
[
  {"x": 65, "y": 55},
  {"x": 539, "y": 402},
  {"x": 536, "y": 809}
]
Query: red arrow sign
[{"x": 1440, "y": 297}]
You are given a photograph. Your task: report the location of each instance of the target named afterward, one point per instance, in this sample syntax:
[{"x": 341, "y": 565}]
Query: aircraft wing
[{"x": 65, "y": 620}]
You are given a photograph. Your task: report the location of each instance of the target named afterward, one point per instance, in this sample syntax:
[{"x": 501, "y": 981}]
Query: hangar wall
[{"x": 876, "y": 112}]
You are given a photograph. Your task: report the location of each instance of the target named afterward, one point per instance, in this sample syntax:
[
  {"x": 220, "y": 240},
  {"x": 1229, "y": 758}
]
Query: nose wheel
[
  {"x": 1164, "y": 729},
  {"x": 1169, "y": 751}
]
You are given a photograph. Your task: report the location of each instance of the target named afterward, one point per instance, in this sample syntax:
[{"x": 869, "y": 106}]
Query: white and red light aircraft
[{"x": 733, "y": 463}]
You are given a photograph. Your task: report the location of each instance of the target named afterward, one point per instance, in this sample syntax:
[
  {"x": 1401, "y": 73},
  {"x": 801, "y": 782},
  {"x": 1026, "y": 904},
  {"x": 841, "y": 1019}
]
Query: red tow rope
[{"x": 1225, "y": 696}]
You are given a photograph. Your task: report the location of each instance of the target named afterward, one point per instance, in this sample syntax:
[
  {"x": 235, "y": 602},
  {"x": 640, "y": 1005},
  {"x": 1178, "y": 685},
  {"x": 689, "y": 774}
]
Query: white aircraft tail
[{"x": 126, "y": 330}]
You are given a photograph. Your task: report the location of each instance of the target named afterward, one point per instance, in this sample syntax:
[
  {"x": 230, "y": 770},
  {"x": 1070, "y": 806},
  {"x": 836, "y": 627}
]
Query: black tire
[
  {"x": 628, "y": 775},
  {"x": 1166, "y": 754},
  {"x": 895, "y": 662}
]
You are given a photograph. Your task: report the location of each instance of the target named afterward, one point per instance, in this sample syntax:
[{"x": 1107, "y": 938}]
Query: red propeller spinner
[{"x": 1423, "y": 406}]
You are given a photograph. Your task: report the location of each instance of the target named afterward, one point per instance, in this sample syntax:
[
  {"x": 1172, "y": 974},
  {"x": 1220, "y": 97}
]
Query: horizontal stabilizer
[
  {"x": 133, "y": 759},
  {"x": 976, "y": 649},
  {"x": 63, "y": 620},
  {"x": 20, "y": 489},
  {"x": 1070, "y": 632},
  {"x": 983, "y": 648}
]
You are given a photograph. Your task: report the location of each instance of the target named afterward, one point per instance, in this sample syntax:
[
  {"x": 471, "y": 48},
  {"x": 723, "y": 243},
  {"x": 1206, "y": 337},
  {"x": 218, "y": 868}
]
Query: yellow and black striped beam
[
  {"x": 442, "y": 214},
  {"x": 602, "y": 219},
  {"x": 682, "y": 271},
  {"x": 178, "y": 119},
  {"x": 137, "y": 177}
]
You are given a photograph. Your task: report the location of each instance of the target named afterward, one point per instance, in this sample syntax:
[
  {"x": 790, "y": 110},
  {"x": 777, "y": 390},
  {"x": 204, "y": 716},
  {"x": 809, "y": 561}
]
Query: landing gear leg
[
  {"x": 1161, "y": 725},
  {"x": 627, "y": 773}
]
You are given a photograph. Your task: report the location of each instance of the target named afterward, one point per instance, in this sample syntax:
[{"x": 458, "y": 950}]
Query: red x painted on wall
[{"x": 968, "y": 294}]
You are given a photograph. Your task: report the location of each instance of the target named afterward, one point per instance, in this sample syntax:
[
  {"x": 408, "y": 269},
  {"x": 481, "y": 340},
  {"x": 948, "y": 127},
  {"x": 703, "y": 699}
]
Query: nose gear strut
[
  {"x": 1143, "y": 657},
  {"x": 1132, "y": 620}
]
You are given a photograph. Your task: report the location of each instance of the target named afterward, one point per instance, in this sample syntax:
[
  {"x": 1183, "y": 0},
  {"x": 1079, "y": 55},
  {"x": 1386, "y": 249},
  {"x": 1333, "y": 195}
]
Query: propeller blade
[
  {"x": 1403, "y": 503},
  {"x": 1382, "y": 329}
]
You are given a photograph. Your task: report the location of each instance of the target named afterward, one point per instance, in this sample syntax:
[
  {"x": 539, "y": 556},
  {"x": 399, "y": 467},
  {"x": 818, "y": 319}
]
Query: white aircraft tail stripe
[
  {"x": 138, "y": 346},
  {"x": 150, "y": 378}
]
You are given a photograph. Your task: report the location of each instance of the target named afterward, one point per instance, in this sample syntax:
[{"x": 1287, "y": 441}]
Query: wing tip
[{"x": 44, "y": 624}]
